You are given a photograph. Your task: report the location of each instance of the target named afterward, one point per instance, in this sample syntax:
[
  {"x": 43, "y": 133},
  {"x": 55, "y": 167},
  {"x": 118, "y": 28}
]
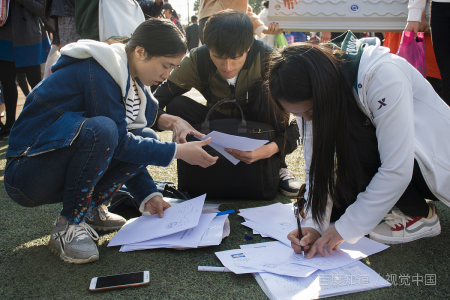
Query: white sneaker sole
[
  {"x": 71, "y": 260},
  {"x": 400, "y": 240}
]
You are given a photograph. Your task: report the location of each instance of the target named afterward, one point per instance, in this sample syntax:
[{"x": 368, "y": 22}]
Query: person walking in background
[
  {"x": 270, "y": 39},
  {"x": 392, "y": 41},
  {"x": 24, "y": 45},
  {"x": 86, "y": 19},
  {"x": 209, "y": 7},
  {"x": 192, "y": 34},
  {"x": 151, "y": 9},
  {"x": 172, "y": 15},
  {"x": 64, "y": 12},
  {"x": 440, "y": 27}
]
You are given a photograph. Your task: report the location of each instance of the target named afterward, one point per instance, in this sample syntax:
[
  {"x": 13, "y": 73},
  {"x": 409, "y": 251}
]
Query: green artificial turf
[{"x": 28, "y": 270}]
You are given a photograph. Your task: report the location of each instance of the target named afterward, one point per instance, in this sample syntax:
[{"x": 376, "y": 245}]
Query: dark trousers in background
[
  {"x": 440, "y": 28},
  {"x": 195, "y": 113},
  {"x": 8, "y": 79},
  {"x": 411, "y": 203},
  {"x": 201, "y": 25}
]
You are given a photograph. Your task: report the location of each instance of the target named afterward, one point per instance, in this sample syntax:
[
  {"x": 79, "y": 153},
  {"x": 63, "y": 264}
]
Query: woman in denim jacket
[{"x": 84, "y": 132}]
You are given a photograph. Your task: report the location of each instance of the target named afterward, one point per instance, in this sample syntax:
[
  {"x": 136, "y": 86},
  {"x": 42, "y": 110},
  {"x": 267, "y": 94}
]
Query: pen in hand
[{"x": 297, "y": 215}]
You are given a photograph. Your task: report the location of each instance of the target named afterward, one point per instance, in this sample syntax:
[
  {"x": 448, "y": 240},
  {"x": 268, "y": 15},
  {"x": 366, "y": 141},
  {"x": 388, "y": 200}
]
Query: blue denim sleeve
[{"x": 103, "y": 97}]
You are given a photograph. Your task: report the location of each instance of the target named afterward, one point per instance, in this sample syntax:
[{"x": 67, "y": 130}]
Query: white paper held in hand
[{"x": 220, "y": 141}]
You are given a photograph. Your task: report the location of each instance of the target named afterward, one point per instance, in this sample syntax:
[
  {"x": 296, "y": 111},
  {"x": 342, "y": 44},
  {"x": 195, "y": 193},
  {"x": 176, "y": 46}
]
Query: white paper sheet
[
  {"x": 280, "y": 216},
  {"x": 262, "y": 245},
  {"x": 244, "y": 212},
  {"x": 234, "y": 259},
  {"x": 220, "y": 141},
  {"x": 189, "y": 238},
  {"x": 350, "y": 279},
  {"x": 213, "y": 234},
  {"x": 282, "y": 237},
  {"x": 262, "y": 234},
  {"x": 237, "y": 259},
  {"x": 344, "y": 255},
  {"x": 177, "y": 218}
]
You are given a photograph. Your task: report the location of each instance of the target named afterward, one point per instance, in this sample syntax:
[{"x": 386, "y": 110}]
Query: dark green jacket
[
  {"x": 86, "y": 19},
  {"x": 186, "y": 77}
]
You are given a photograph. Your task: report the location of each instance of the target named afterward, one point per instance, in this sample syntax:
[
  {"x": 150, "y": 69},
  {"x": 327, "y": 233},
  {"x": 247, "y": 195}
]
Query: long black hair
[
  {"x": 301, "y": 72},
  {"x": 172, "y": 11},
  {"x": 158, "y": 37}
]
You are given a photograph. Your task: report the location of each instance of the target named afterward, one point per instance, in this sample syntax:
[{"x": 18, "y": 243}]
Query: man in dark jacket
[
  {"x": 192, "y": 34},
  {"x": 235, "y": 72}
]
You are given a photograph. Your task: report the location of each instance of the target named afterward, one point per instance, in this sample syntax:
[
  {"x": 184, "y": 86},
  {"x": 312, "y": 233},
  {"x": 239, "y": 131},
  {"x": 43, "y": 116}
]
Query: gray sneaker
[
  {"x": 74, "y": 243},
  {"x": 101, "y": 219}
]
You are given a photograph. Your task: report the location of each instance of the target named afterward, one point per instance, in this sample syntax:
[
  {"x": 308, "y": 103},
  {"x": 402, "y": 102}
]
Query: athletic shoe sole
[
  {"x": 71, "y": 260},
  {"x": 103, "y": 228},
  {"x": 392, "y": 240}
]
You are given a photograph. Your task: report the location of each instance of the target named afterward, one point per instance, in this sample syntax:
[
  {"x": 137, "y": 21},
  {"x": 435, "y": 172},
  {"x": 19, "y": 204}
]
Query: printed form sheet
[
  {"x": 177, "y": 218},
  {"x": 189, "y": 238},
  {"x": 353, "y": 278}
]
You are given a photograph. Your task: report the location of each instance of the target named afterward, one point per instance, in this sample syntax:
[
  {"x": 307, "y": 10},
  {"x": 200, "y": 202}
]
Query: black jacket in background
[
  {"x": 150, "y": 8},
  {"x": 192, "y": 36}
]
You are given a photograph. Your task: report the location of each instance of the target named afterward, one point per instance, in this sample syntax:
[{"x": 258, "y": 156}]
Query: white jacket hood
[{"x": 112, "y": 58}]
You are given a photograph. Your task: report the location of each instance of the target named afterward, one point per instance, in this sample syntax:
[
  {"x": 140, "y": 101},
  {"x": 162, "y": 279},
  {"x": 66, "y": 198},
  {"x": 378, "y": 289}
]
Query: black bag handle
[{"x": 242, "y": 126}]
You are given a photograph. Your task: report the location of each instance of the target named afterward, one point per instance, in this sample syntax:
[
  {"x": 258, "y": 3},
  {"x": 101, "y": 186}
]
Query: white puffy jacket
[{"x": 411, "y": 122}]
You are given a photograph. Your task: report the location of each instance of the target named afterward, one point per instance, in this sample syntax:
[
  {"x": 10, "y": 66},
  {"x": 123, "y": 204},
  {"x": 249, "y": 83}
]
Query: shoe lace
[
  {"x": 286, "y": 174},
  {"x": 396, "y": 218},
  {"x": 82, "y": 230},
  {"x": 103, "y": 212}
]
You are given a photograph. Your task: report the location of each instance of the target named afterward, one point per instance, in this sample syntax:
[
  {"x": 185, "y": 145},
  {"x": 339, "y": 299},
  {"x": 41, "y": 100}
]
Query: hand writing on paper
[
  {"x": 194, "y": 154},
  {"x": 330, "y": 238},
  {"x": 310, "y": 235},
  {"x": 249, "y": 157},
  {"x": 157, "y": 205}
]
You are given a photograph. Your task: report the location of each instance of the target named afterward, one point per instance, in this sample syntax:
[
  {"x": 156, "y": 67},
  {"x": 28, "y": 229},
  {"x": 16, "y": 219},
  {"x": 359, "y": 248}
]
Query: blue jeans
[
  {"x": 80, "y": 176},
  {"x": 141, "y": 185}
]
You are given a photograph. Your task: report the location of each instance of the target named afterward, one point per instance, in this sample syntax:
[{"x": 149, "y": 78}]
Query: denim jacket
[{"x": 54, "y": 113}]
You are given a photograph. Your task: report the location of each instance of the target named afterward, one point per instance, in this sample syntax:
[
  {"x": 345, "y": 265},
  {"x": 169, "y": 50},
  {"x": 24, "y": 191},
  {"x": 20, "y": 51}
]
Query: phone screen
[{"x": 121, "y": 279}]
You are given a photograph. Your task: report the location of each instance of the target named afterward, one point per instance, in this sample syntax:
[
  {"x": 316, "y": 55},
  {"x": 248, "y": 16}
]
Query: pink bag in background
[{"x": 412, "y": 51}]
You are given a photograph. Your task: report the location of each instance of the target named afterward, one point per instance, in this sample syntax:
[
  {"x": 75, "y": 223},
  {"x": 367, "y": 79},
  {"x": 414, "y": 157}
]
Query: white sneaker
[
  {"x": 398, "y": 228},
  {"x": 74, "y": 243}
]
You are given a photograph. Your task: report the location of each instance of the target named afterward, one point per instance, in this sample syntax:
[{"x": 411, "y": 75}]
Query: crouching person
[{"x": 84, "y": 132}]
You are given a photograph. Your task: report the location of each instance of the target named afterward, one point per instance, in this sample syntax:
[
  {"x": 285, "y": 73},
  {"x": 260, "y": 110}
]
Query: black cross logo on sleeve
[{"x": 382, "y": 103}]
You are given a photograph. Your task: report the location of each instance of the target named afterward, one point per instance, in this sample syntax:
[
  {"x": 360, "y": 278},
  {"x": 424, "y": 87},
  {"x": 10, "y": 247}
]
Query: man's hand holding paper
[{"x": 249, "y": 157}]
